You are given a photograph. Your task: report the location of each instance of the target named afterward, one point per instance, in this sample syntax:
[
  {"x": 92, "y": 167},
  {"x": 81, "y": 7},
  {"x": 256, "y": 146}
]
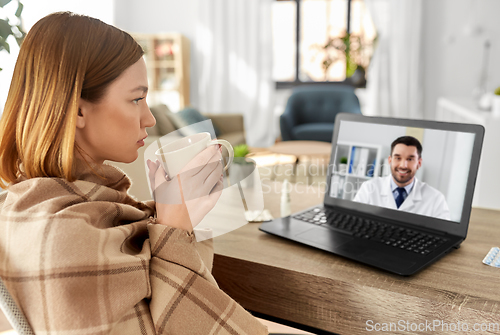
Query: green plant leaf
[
  {"x": 4, "y": 2},
  {"x": 19, "y": 10},
  {"x": 350, "y": 66},
  {"x": 5, "y": 45},
  {"x": 5, "y": 29},
  {"x": 241, "y": 150}
]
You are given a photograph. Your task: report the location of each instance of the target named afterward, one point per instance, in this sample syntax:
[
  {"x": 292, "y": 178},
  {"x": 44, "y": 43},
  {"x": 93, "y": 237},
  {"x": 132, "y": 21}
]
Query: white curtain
[
  {"x": 395, "y": 76},
  {"x": 233, "y": 51}
]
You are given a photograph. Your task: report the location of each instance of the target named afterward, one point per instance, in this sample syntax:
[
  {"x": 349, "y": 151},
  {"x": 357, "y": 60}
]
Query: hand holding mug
[{"x": 184, "y": 200}]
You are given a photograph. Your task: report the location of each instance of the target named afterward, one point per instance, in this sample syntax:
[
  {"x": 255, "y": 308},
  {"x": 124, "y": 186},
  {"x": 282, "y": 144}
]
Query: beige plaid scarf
[{"x": 84, "y": 257}]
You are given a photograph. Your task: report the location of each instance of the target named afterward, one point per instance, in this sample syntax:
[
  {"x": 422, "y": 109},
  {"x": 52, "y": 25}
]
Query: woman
[{"x": 79, "y": 254}]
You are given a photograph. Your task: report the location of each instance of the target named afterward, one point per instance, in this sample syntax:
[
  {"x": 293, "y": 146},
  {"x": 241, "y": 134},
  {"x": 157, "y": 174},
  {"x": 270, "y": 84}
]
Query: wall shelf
[
  {"x": 363, "y": 163},
  {"x": 167, "y": 61}
]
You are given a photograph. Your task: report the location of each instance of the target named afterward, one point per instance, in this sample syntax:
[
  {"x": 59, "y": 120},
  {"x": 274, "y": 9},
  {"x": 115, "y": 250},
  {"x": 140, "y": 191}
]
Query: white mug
[{"x": 175, "y": 155}]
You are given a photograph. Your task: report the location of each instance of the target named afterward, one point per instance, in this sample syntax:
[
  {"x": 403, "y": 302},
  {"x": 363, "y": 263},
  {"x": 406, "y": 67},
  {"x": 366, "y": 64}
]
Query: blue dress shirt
[{"x": 407, "y": 188}]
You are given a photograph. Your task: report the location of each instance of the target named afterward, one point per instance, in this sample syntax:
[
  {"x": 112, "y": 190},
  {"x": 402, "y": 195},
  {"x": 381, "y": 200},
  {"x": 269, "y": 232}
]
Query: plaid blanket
[{"x": 84, "y": 257}]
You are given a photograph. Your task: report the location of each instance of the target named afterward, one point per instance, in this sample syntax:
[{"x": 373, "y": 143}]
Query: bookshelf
[
  {"x": 363, "y": 163},
  {"x": 167, "y": 62}
]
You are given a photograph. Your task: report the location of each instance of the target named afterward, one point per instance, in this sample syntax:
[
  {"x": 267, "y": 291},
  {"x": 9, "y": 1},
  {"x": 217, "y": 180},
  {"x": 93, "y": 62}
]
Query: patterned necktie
[{"x": 401, "y": 196}]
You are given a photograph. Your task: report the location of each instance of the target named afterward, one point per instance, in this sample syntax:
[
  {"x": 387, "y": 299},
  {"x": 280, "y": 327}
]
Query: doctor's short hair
[{"x": 408, "y": 141}]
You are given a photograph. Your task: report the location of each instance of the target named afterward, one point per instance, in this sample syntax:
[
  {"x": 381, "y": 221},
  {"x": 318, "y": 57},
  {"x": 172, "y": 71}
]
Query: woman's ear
[{"x": 83, "y": 109}]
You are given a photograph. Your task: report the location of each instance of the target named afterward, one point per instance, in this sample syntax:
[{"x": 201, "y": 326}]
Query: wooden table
[
  {"x": 304, "y": 287},
  {"x": 302, "y": 148},
  {"x": 308, "y": 149}
]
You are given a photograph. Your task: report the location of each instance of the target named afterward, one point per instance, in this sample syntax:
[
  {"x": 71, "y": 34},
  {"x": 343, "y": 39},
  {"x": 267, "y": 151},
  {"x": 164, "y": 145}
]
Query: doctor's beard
[{"x": 406, "y": 179}]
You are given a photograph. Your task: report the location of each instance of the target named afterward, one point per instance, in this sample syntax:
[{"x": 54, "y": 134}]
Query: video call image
[{"x": 416, "y": 170}]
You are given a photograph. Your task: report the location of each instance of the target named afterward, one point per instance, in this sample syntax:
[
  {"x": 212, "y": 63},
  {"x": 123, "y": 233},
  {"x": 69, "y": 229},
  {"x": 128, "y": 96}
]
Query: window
[{"x": 321, "y": 41}]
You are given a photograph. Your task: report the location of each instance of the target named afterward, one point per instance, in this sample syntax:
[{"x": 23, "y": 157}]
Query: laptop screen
[{"x": 420, "y": 168}]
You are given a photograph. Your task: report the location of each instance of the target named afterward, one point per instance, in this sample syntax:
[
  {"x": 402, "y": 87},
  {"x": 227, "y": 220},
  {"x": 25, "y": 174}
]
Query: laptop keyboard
[{"x": 398, "y": 237}]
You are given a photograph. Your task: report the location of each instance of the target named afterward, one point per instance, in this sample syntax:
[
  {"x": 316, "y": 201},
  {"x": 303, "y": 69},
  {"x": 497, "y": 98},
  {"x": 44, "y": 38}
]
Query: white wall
[
  {"x": 157, "y": 16},
  {"x": 34, "y": 10},
  {"x": 160, "y": 16},
  {"x": 452, "y": 55},
  {"x": 464, "y": 144}
]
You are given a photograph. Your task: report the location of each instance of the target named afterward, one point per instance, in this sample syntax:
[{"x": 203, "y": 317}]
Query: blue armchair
[{"x": 310, "y": 111}]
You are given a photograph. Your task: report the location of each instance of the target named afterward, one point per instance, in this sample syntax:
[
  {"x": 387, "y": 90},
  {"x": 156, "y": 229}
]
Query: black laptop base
[{"x": 371, "y": 251}]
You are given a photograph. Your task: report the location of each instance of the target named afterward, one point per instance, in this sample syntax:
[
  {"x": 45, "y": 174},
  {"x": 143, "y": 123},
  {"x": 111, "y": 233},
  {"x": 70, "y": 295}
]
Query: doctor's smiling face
[{"x": 405, "y": 160}]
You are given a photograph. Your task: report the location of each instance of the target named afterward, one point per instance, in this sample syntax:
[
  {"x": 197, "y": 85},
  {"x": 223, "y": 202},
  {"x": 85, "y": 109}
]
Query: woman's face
[{"x": 115, "y": 127}]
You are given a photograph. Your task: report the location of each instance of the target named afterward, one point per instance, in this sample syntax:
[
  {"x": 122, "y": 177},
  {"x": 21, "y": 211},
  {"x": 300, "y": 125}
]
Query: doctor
[{"x": 402, "y": 190}]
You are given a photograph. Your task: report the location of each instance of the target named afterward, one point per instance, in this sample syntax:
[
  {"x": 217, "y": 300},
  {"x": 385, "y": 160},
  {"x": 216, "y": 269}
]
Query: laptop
[{"x": 371, "y": 157}]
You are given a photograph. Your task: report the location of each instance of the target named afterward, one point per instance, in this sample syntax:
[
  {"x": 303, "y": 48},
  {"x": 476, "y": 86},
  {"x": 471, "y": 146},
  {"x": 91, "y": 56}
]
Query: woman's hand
[{"x": 184, "y": 200}]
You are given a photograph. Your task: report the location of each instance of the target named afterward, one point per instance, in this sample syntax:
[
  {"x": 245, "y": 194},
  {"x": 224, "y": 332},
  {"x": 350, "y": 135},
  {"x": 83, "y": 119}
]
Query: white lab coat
[{"x": 423, "y": 199}]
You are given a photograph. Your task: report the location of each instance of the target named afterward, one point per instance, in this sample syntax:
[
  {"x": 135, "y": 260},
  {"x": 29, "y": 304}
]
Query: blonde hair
[{"x": 64, "y": 57}]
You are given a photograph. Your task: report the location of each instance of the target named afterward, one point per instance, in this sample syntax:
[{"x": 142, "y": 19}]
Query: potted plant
[
  {"x": 343, "y": 165},
  {"x": 242, "y": 166},
  {"x": 348, "y": 47},
  {"x": 495, "y": 106},
  {"x": 241, "y": 150}
]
